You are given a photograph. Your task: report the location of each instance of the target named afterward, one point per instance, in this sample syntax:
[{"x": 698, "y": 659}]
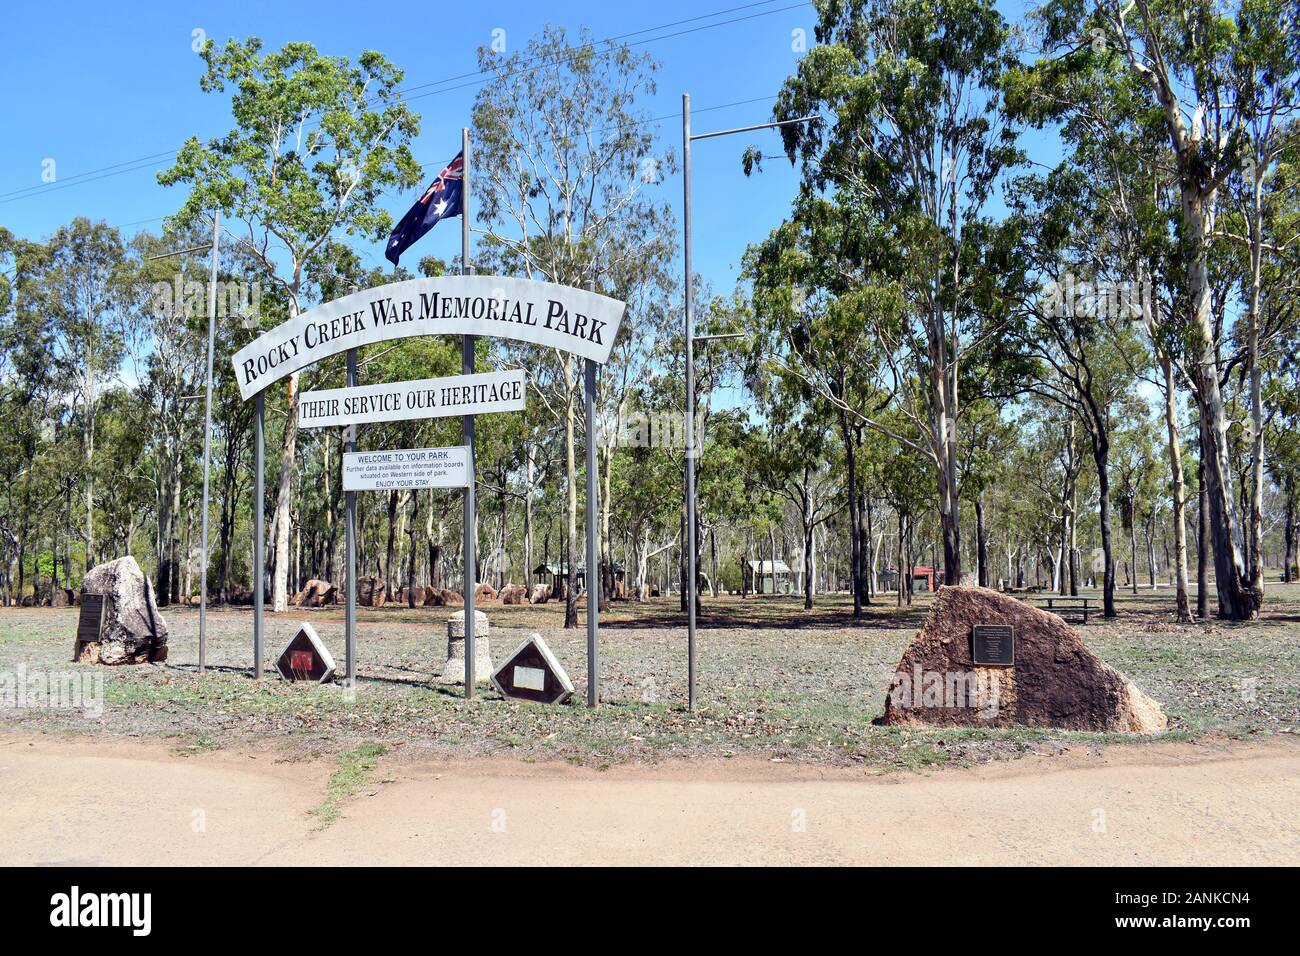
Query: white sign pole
[
  {"x": 595, "y": 579},
  {"x": 467, "y": 430},
  {"x": 350, "y": 525},
  {"x": 259, "y": 533}
]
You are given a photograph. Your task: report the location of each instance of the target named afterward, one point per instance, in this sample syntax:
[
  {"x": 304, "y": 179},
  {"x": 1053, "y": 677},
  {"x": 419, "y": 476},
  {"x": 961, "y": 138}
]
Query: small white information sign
[
  {"x": 477, "y": 394},
  {"x": 406, "y": 468}
]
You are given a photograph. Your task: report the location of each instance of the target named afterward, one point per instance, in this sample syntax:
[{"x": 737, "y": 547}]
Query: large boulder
[
  {"x": 541, "y": 594},
  {"x": 451, "y": 598},
  {"x": 1055, "y": 680},
  {"x": 513, "y": 594},
  {"x": 370, "y": 592},
  {"x": 133, "y": 631},
  {"x": 316, "y": 593},
  {"x": 404, "y": 597},
  {"x": 62, "y": 597},
  {"x": 484, "y": 592},
  {"x": 432, "y": 597}
]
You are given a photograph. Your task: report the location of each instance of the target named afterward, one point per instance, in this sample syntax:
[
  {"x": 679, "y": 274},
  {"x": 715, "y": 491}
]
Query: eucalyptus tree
[
  {"x": 565, "y": 168},
  {"x": 918, "y": 144},
  {"x": 316, "y": 140},
  {"x": 80, "y": 286},
  {"x": 796, "y": 465},
  {"x": 815, "y": 322},
  {"x": 1205, "y": 80},
  {"x": 165, "y": 337}
]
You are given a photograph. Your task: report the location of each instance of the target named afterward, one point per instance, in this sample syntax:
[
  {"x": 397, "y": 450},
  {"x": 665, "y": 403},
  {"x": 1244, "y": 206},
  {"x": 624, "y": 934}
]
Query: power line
[{"x": 134, "y": 165}]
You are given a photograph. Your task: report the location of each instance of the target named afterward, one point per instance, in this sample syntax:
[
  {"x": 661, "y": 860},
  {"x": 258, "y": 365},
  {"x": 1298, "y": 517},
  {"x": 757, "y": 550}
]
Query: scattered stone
[
  {"x": 405, "y": 596},
  {"x": 370, "y": 592},
  {"x": 316, "y": 593},
  {"x": 133, "y": 632},
  {"x": 513, "y": 594},
  {"x": 1055, "y": 680},
  {"x": 453, "y": 671}
]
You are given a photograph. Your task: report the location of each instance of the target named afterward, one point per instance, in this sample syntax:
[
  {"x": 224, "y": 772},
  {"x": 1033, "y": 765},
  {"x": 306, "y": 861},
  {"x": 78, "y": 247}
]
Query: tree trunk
[
  {"x": 1237, "y": 601},
  {"x": 283, "y": 496},
  {"x": 855, "y": 542},
  {"x": 1101, "y": 458},
  {"x": 1179, "y": 493}
]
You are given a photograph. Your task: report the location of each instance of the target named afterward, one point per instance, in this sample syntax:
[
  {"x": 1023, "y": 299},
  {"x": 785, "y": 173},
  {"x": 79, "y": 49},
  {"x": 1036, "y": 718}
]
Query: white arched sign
[{"x": 572, "y": 320}]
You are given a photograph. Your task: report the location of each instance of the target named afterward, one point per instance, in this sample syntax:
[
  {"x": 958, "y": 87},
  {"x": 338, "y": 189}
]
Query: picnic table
[{"x": 1076, "y": 607}]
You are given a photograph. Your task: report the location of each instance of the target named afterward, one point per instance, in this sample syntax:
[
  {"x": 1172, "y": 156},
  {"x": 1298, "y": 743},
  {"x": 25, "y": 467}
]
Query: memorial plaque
[
  {"x": 90, "y": 622},
  {"x": 305, "y": 658},
  {"x": 993, "y": 645},
  {"x": 531, "y": 672}
]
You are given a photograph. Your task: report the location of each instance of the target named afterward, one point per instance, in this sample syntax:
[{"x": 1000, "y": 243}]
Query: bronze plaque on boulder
[
  {"x": 993, "y": 645},
  {"x": 90, "y": 622}
]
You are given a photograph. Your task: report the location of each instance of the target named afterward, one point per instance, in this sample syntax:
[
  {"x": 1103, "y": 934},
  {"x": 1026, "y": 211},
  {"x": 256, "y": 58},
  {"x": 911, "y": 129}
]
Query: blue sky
[{"x": 92, "y": 86}]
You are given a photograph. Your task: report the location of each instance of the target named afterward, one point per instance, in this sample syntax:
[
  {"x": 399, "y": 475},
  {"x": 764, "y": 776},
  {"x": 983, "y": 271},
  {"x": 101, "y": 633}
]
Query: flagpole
[{"x": 467, "y": 429}]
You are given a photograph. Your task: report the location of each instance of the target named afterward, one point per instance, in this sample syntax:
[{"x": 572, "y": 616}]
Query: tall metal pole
[
  {"x": 350, "y": 533},
  {"x": 467, "y": 428},
  {"x": 593, "y": 558},
  {"x": 259, "y": 531},
  {"x": 689, "y": 456},
  {"x": 207, "y": 448}
]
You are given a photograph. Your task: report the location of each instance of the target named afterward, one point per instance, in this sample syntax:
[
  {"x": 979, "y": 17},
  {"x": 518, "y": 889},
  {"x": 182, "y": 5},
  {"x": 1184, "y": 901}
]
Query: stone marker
[
  {"x": 1054, "y": 680},
  {"x": 532, "y": 672},
  {"x": 453, "y": 671},
  {"x": 306, "y": 658},
  {"x": 131, "y": 630}
]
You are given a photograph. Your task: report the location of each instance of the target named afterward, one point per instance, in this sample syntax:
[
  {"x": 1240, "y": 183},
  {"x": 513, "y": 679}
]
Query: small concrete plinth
[{"x": 453, "y": 671}]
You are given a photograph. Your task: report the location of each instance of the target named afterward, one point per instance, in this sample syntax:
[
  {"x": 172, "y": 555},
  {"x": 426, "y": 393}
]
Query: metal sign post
[
  {"x": 594, "y": 581},
  {"x": 350, "y": 529},
  {"x": 259, "y": 531},
  {"x": 689, "y": 456},
  {"x": 593, "y": 557},
  {"x": 467, "y": 431},
  {"x": 689, "y": 322}
]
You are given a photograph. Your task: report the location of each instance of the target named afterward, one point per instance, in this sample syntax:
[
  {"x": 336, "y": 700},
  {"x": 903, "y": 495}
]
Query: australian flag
[{"x": 440, "y": 201}]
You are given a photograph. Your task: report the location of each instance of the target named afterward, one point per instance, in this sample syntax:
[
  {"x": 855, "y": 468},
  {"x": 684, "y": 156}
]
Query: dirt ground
[{"x": 79, "y": 801}]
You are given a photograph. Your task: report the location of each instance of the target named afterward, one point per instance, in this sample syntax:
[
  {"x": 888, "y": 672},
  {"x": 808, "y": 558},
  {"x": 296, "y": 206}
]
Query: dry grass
[{"x": 774, "y": 680}]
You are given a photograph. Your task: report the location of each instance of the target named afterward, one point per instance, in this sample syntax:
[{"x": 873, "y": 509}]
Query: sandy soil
[{"x": 69, "y": 801}]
